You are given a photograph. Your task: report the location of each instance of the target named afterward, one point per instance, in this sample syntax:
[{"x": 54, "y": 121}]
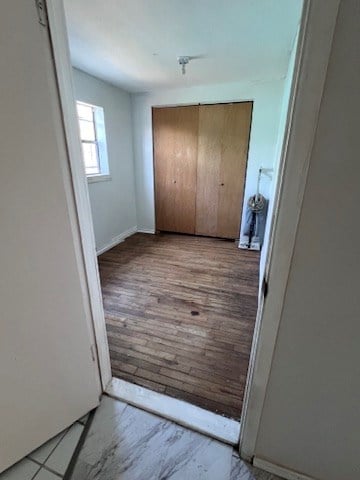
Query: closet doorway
[{"x": 200, "y": 159}]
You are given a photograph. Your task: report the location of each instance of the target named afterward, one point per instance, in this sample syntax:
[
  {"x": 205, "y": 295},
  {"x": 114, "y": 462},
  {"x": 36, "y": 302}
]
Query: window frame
[{"x": 100, "y": 143}]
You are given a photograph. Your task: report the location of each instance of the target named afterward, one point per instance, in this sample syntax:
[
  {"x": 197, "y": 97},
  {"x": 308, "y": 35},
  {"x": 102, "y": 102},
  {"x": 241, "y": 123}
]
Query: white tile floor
[
  {"x": 51, "y": 460},
  {"x": 127, "y": 443}
]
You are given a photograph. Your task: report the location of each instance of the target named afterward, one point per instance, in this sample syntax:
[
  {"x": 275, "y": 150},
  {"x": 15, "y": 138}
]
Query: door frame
[
  {"x": 312, "y": 57},
  {"x": 60, "y": 47}
]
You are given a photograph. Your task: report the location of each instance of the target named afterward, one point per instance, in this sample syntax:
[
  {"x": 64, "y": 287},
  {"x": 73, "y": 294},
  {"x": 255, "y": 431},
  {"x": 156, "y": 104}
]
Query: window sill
[{"x": 98, "y": 178}]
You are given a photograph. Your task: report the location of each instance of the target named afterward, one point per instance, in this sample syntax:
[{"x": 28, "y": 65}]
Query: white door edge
[{"x": 59, "y": 40}]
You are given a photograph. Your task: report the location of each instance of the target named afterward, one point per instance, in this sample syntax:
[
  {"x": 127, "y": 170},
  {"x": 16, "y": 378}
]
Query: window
[{"x": 93, "y": 139}]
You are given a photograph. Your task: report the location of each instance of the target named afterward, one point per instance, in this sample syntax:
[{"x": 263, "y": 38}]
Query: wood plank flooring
[{"x": 180, "y": 313}]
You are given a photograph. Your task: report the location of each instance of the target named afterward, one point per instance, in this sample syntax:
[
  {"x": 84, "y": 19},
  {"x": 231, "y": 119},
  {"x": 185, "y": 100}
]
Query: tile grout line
[
  {"x": 57, "y": 444},
  {"x": 52, "y": 451},
  {"x": 86, "y": 427},
  {"x": 57, "y": 474},
  {"x": 45, "y": 467},
  {"x": 37, "y": 471},
  {"x": 42, "y": 465}
]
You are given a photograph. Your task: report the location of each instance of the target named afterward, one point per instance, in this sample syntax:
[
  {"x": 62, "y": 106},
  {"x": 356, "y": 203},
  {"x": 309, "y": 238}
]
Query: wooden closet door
[
  {"x": 222, "y": 157},
  {"x": 175, "y": 132}
]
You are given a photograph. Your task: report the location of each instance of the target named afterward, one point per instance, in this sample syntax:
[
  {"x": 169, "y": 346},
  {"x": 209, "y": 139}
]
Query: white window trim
[
  {"x": 101, "y": 141},
  {"x": 100, "y": 177}
]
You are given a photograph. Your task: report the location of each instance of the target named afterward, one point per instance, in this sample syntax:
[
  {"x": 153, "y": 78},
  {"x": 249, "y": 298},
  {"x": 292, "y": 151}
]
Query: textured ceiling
[{"x": 135, "y": 43}]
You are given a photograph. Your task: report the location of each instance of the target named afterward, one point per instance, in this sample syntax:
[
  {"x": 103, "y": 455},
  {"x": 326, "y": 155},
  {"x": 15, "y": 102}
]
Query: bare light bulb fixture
[{"x": 183, "y": 61}]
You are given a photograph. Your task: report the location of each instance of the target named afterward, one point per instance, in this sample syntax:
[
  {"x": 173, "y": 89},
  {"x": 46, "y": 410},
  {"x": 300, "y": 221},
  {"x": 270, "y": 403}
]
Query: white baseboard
[
  {"x": 146, "y": 230},
  {"x": 178, "y": 411},
  {"x": 116, "y": 240},
  {"x": 280, "y": 471}
]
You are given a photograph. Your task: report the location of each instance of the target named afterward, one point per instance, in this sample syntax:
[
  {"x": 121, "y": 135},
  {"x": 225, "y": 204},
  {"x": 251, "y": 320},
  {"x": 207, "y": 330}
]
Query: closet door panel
[
  {"x": 222, "y": 157},
  {"x": 208, "y": 169},
  {"x": 235, "y": 142},
  {"x": 175, "y": 133}
]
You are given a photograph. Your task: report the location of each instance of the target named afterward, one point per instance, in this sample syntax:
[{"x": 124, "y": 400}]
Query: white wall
[
  {"x": 267, "y": 97},
  {"x": 113, "y": 203},
  {"x": 311, "y": 417}
]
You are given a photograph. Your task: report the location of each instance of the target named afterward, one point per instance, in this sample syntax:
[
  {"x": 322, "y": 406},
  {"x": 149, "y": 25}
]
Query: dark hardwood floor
[{"x": 180, "y": 313}]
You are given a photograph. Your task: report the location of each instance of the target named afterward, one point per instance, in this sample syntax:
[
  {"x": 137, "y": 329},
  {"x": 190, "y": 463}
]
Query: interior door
[
  {"x": 221, "y": 168},
  {"x": 175, "y": 132},
  {"x": 48, "y": 377}
]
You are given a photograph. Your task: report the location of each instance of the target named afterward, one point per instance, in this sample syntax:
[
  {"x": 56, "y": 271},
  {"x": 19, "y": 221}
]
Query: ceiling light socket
[{"x": 184, "y": 60}]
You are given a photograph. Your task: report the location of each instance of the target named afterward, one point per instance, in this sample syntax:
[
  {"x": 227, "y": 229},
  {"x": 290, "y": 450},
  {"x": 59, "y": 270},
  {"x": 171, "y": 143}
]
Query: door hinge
[
  {"x": 265, "y": 287},
  {"x": 41, "y": 9},
  {"x": 93, "y": 352}
]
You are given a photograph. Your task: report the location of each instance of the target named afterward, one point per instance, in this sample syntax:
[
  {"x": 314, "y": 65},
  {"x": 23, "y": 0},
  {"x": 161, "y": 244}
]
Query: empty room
[
  {"x": 182, "y": 110},
  {"x": 179, "y": 262}
]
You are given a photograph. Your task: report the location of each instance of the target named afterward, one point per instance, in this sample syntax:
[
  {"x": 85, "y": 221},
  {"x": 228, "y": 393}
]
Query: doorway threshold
[{"x": 208, "y": 423}]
